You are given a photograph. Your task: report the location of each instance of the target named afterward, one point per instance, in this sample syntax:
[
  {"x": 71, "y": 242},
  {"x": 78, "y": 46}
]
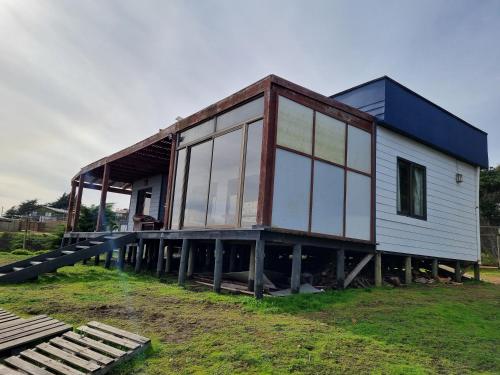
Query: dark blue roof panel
[{"x": 401, "y": 109}]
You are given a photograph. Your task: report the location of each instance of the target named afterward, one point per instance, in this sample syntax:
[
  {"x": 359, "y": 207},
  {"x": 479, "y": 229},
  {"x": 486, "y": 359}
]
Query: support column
[
  {"x": 97, "y": 259},
  {"x": 435, "y": 266},
  {"x": 260, "y": 246},
  {"x": 78, "y": 205},
  {"x": 477, "y": 271},
  {"x": 232, "y": 258},
  {"x": 340, "y": 269},
  {"x": 129, "y": 253},
  {"x": 183, "y": 261},
  {"x": 71, "y": 203},
  {"x": 102, "y": 203},
  {"x": 170, "y": 183},
  {"x": 161, "y": 254},
  {"x": 191, "y": 256},
  {"x": 378, "y": 269},
  {"x": 251, "y": 268},
  {"x": 219, "y": 251},
  {"x": 138, "y": 256},
  {"x": 109, "y": 256},
  {"x": 458, "y": 272},
  {"x": 296, "y": 268},
  {"x": 121, "y": 257},
  {"x": 168, "y": 258},
  {"x": 408, "y": 275}
]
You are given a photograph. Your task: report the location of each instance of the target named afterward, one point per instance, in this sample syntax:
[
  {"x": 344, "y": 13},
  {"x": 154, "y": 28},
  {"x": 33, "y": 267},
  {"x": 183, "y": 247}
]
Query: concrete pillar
[
  {"x": 168, "y": 258},
  {"x": 251, "y": 268},
  {"x": 260, "y": 246},
  {"x": 477, "y": 271},
  {"x": 138, "y": 255},
  {"x": 435, "y": 267},
  {"x": 109, "y": 256},
  {"x": 340, "y": 268},
  {"x": 161, "y": 253},
  {"x": 458, "y": 272},
  {"x": 408, "y": 275},
  {"x": 378, "y": 269},
  {"x": 121, "y": 257},
  {"x": 219, "y": 250},
  {"x": 296, "y": 268},
  {"x": 190, "y": 269},
  {"x": 183, "y": 262}
]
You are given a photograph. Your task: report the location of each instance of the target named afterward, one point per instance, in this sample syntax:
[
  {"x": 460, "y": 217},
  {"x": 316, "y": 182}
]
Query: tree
[
  {"x": 61, "y": 202},
  {"x": 88, "y": 218},
  {"x": 489, "y": 195},
  {"x": 11, "y": 212}
]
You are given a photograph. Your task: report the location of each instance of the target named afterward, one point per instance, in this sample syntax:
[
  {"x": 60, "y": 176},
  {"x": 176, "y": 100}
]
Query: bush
[
  {"x": 10, "y": 241},
  {"x": 21, "y": 252}
]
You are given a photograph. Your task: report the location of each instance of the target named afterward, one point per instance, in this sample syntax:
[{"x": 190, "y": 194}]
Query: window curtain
[{"x": 418, "y": 192}]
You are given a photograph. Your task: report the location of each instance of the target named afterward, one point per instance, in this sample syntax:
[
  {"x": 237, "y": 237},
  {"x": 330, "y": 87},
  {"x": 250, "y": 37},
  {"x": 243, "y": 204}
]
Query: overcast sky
[{"x": 82, "y": 79}]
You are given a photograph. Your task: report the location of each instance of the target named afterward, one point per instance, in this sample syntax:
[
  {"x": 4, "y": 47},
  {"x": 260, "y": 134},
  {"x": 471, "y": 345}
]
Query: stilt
[
  {"x": 138, "y": 256},
  {"x": 134, "y": 252},
  {"x": 296, "y": 268},
  {"x": 378, "y": 269},
  {"x": 121, "y": 257},
  {"x": 219, "y": 250},
  {"x": 129, "y": 253},
  {"x": 477, "y": 271},
  {"x": 190, "y": 268},
  {"x": 232, "y": 258},
  {"x": 183, "y": 261},
  {"x": 435, "y": 268},
  {"x": 168, "y": 258},
  {"x": 260, "y": 246},
  {"x": 251, "y": 268},
  {"x": 96, "y": 260},
  {"x": 458, "y": 272},
  {"x": 63, "y": 242},
  {"x": 159, "y": 263},
  {"x": 107, "y": 262},
  {"x": 408, "y": 275},
  {"x": 84, "y": 261},
  {"x": 340, "y": 269}
]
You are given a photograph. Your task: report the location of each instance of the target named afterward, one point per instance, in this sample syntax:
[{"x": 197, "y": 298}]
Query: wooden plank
[
  {"x": 69, "y": 358},
  {"x": 109, "y": 350},
  {"x": 25, "y": 366},
  {"x": 23, "y": 324},
  {"x": 118, "y": 332},
  {"x": 109, "y": 338},
  {"x": 50, "y": 363},
  {"x": 82, "y": 351},
  {"x": 36, "y": 336},
  {"x": 357, "y": 269},
  {"x": 27, "y": 330},
  {"x": 11, "y": 322},
  {"x": 4, "y": 370},
  {"x": 6, "y": 320}
]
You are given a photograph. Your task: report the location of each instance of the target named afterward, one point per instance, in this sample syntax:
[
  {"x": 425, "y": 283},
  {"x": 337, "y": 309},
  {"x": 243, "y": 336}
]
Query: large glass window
[
  {"x": 329, "y": 141},
  {"x": 252, "y": 175},
  {"x": 249, "y": 111},
  {"x": 359, "y": 149},
  {"x": 358, "y": 206},
  {"x": 199, "y": 131},
  {"x": 178, "y": 188},
  {"x": 295, "y": 124},
  {"x": 411, "y": 193},
  {"x": 328, "y": 199},
  {"x": 225, "y": 179},
  {"x": 197, "y": 185},
  {"x": 292, "y": 182}
]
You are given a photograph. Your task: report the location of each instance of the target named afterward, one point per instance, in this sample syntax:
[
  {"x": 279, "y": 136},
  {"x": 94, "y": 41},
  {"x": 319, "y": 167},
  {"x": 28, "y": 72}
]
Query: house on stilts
[{"x": 279, "y": 181}]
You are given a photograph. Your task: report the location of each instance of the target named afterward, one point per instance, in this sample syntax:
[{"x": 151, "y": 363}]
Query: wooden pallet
[
  {"x": 96, "y": 349},
  {"x": 17, "y": 332}
]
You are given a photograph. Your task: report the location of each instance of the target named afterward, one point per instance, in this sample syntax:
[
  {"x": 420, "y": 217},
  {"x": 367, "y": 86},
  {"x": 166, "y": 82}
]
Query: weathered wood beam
[
  {"x": 357, "y": 269},
  {"x": 219, "y": 251},
  {"x": 408, "y": 275},
  {"x": 121, "y": 258},
  {"x": 139, "y": 255},
  {"x": 434, "y": 268},
  {"x": 183, "y": 261},
  {"x": 76, "y": 216},
  {"x": 161, "y": 254},
  {"x": 458, "y": 271},
  {"x": 340, "y": 274},
  {"x": 477, "y": 271},
  {"x": 251, "y": 268},
  {"x": 70, "y": 206},
  {"x": 102, "y": 203},
  {"x": 111, "y": 189},
  {"x": 260, "y": 246},
  {"x": 296, "y": 268},
  {"x": 378, "y": 269},
  {"x": 168, "y": 258},
  {"x": 191, "y": 256}
]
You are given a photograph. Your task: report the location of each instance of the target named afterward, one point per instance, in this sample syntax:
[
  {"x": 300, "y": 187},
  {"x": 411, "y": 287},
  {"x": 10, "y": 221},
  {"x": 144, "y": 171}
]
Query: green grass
[{"x": 416, "y": 330}]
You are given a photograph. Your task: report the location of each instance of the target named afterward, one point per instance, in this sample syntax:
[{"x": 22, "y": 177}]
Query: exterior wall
[
  {"x": 451, "y": 229},
  {"x": 155, "y": 182}
]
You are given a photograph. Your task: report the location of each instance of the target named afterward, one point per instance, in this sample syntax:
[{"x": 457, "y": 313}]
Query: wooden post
[
  {"x": 378, "y": 269},
  {"x": 340, "y": 269},
  {"x": 458, "y": 272},
  {"x": 121, "y": 257},
  {"x": 296, "y": 268},
  {"x": 408, "y": 275},
  {"x": 183, "y": 261},
  {"x": 260, "y": 246},
  {"x": 251, "y": 268},
  {"x": 69, "y": 219},
  {"x": 109, "y": 256},
  {"x": 102, "y": 203},
  {"x": 477, "y": 271},
  {"x": 219, "y": 251},
  {"x": 129, "y": 253},
  {"x": 168, "y": 258},
  {"x": 161, "y": 255},
  {"x": 232, "y": 258},
  {"x": 138, "y": 255},
  {"x": 78, "y": 206},
  {"x": 97, "y": 260},
  {"x": 170, "y": 183},
  {"x": 190, "y": 267},
  {"x": 435, "y": 272}
]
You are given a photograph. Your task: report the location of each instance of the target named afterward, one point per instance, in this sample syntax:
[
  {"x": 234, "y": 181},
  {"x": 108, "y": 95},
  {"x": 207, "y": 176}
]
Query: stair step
[
  {"x": 49, "y": 259},
  {"x": 95, "y": 242},
  {"x": 111, "y": 237},
  {"x": 35, "y": 263},
  {"x": 82, "y": 246},
  {"x": 15, "y": 269},
  {"x": 67, "y": 252}
]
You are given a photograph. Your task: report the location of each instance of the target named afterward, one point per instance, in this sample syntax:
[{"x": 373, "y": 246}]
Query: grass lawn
[{"x": 415, "y": 330}]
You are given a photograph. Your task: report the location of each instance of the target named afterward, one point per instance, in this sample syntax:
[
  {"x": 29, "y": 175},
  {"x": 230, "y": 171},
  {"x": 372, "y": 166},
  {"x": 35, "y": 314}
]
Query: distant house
[{"x": 46, "y": 213}]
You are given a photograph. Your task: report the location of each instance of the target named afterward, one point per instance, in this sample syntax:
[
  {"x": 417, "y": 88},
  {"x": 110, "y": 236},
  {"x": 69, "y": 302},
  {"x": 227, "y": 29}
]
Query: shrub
[{"x": 21, "y": 252}]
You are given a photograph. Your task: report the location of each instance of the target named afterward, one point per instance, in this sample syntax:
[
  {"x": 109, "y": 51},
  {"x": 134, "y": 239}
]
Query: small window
[
  {"x": 143, "y": 201},
  {"x": 411, "y": 194},
  {"x": 295, "y": 125}
]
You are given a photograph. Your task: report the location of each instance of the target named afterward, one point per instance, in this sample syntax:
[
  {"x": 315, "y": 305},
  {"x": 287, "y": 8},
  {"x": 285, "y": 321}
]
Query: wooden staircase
[{"x": 31, "y": 268}]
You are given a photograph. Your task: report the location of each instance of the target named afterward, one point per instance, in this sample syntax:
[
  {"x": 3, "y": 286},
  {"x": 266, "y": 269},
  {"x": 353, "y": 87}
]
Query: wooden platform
[
  {"x": 17, "y": 332},
  {"x": 96, "y": 349}
]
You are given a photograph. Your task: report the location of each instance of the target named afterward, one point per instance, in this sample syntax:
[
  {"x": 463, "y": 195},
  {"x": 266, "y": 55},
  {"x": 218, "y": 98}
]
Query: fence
[
  {"x": 16, "y": 225},
  {"x": 490, "y": 242}
]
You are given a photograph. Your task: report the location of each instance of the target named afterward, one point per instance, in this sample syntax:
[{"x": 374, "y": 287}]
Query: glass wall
[
  {"x": 315, "y": 188},
  {"x": 221, "y": 157}
]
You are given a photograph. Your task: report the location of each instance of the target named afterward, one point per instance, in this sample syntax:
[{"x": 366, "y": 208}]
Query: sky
[{"x": 80, "y": 80}]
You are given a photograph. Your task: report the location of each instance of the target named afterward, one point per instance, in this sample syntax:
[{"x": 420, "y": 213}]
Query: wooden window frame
[{"x": 412, "y": 165}]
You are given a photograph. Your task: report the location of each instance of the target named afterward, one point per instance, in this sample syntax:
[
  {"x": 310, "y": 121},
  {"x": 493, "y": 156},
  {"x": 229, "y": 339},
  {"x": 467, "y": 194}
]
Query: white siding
[
  {"x": 155, "y": 182},
  {"x": 450, "y": 230}
]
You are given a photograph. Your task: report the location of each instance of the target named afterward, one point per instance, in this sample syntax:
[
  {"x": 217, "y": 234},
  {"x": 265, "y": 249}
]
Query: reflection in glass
[
  {"x": 294, "y": 125},
  {"x": 225, "y": 179},
  {"x": 178, "y": 187},
  {"x": 197, "y": 132},
  {"x": 241, "y": 114},
  {"x": 197, "y": 185},
  {"x": 252, "y": 175},
  {"x": 358, "y": 210},
  {"x": 329, "y": 141},
  {"x": 359, "y": 149}
]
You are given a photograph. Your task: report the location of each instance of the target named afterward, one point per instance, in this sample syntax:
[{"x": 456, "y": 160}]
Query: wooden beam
[
  {"x": 378, "y": 269},
  {"x": 161, "y": 255},
  {"x": 183, "y": 261},
  {"x": 138, "y": 255},
  {"x": 219, "y": 251},
  {"x": 340, "y": 274},
  {"x": 76, "y": 216},
  {"x": 357, "y": 269},
  {"x": 102, "y": 203},
  {"x": 70, "y": 206},
  {"x": 168, "y": 258},
  {"x": 434, "y": 268},
  {"x": 260, "y": 246},
  {"x": 191, "y": 256},
  {"x": 251, "y": 268},
  {"x": 296, "y": 268},
  {"x": 477, "y": 271},
  {"x": 458, "y": 271},
  {"x": 408, "y": 275},
  {"x": 170, "y": 184},
  {"x": 111, "y": 189},
  {"x": 121, "y": 257},
  {"x": 109, "y": 256}
]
